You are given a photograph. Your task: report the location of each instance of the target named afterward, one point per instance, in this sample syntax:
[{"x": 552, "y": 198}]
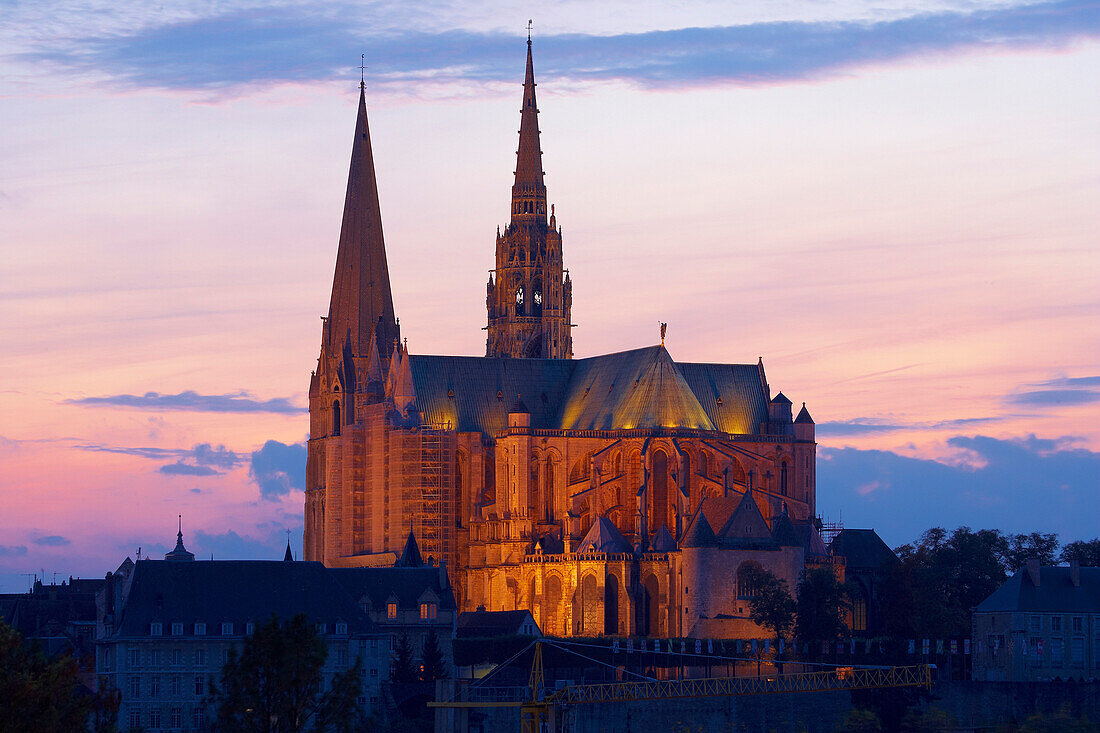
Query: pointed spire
[
  {"x": 529, "y": 190},
  {"x": 410, "y": 556},
  {"x": 180, "y": 553},
  {"x": 361, "y": 304}
]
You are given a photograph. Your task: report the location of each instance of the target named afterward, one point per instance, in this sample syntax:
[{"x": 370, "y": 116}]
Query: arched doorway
[{"x": 611, "y": 606}]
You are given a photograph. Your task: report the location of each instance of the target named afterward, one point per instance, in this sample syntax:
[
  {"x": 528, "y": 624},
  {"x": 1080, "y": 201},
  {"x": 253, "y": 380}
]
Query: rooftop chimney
[
  {"x": 1033, "y": 571},
  {"x": 1075, "y": 573}
]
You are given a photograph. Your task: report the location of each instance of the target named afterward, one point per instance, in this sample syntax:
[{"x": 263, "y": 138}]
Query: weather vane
[{"x": 664, "y": 327}]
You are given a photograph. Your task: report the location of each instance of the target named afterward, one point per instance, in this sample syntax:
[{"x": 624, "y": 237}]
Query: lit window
[
  {"x": 427, "y": 611},
  {"x": 391, "y": 610},
  {"x": 859, "y": 614}
]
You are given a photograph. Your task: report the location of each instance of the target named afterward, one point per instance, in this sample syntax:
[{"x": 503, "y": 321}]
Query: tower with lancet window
[{"x": 529, "y": 294}]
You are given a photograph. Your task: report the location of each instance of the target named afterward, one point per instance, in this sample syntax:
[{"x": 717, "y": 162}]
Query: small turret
[
  {"x": 180, "y": 553},
  {"x": 804, "y": 425}
]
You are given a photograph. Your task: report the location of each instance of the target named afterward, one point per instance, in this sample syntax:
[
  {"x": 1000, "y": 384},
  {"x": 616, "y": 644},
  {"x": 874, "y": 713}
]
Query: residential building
[{"x": 1043, "y": 623}]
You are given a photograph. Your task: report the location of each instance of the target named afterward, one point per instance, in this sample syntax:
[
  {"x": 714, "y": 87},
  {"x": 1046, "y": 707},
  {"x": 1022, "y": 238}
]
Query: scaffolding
[{"x": 430, "y": 495}]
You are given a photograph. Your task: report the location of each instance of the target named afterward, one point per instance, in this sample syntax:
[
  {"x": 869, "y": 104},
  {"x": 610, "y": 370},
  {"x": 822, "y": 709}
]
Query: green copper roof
[{"x": 641, "y": 388}]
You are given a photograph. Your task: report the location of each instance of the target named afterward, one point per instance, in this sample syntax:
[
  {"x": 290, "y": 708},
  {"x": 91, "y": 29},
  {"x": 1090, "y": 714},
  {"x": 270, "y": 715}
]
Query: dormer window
[
  {"x": 177, "y": 628},
  {"x": 250, "y": 628},
  {"x": 428, "y": 611},
  {"x": 200, "y": 628},
  {"x": 322, "y": 628},
  {"x": 341, "y": 628},
  {"x": 155, "y": 629},
  {"x": 391, "y": 610},
  {"x": 227, "y": 628}
]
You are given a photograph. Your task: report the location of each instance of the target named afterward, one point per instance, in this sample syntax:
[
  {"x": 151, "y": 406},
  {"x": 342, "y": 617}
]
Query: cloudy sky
[{"x": 894, "y": 203}]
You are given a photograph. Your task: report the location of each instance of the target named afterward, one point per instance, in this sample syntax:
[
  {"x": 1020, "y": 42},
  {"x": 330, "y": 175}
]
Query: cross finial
[
  {"x": 530, "y": 23},
  {"x": 362, "y": 70}
]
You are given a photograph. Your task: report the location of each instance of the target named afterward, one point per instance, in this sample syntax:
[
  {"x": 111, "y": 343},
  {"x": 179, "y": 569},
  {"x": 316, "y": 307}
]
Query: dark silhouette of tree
[
  {"x": 771, "y": 607},
  {"x": 1024, "y": 547},
  {"x": 1085, "y": 552},
  {"x": 402, "y": 668},
  {"x": 37, "y": 692},
  {"x": 433, "y": 665},
  {"x": 276, "y": 684},
  {"x": 822, "y": 606},
  {"x": 931, "y": 592}
]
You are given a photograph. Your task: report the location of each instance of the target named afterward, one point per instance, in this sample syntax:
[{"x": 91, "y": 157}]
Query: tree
[
  {"x": 275, "y": 685},
  {"x": 401, "y": 665},
  {"x": 940, "y": 578},
  {"x": 433, "y": 664},
  {"x": 1024, "y": 547},
  {"x": 1086, "y": 553},
  {"x": 772, "y": 607},
  {"x": 38, "y": 692},
  {"x": 821, "y": 606}
]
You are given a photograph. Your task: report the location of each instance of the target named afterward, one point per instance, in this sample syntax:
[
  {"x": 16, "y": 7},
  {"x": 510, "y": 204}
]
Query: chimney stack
[
  {"x": 1033, "y": 570},
  {"x": 1075, "y": 573}
]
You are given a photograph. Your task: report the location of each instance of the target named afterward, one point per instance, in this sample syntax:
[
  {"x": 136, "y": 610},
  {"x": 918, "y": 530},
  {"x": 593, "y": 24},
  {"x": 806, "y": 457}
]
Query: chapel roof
[
  {"x": 640, "y": 388},
  {"x": 604, "y": 536}
]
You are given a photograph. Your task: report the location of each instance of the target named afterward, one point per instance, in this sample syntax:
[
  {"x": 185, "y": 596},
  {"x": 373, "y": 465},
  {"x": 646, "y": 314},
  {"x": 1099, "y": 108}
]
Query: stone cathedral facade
[{"x": 621, "y": 494}]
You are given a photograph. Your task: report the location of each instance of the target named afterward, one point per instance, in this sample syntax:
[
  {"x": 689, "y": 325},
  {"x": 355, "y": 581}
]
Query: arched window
[
  {"x": 611, "y": 605},
  {"x": 748, "y": 579},
  {"x": 783, "y": 478},
  {"x": 536, "y": 298},
  {"x": 658, "y": 485},
  {"x": 336, "y": 422},
  {"x": 589, "y": 607},
  {"x": 548, "y": 497}
]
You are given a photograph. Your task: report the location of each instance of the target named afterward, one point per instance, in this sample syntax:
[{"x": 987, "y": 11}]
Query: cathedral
[{"x": 620, "y": 494}]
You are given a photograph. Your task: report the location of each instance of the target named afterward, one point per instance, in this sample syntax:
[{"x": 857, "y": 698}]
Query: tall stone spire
[
  {"x": 529, "y": 189},
  {"x": 529, "y": 296},
  {"x": 361, "y": 304}
]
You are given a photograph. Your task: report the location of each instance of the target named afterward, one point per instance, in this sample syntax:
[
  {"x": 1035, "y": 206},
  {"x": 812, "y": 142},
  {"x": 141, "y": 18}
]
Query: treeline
[{"x": 929, "y": 593}]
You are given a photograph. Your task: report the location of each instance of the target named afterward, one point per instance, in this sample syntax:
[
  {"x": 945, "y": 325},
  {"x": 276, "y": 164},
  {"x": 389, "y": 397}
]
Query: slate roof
[
  {"x": 479, "y": 624},
  {"x": 862, "y": 548},
  {"x": 405, "y": 584},
  {"x": 699, "y": 534},
  {"x": 804, "y": 416},
  {"x": 235, "y": 590},
  {"x": 410, "y": 555},
  {"x": 1055, "y": 594},
  {"x": 746, "y": 527},
  {"x": 783, "y": 532},
  {"x": 628, "y": 389},
  {"x": 662, "y": 541},
  {"x": 604, "y": 536}
]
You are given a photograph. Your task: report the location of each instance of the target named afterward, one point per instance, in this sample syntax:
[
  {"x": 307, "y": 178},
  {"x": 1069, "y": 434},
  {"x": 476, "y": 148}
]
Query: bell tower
[{"x": 529, "y": 294}]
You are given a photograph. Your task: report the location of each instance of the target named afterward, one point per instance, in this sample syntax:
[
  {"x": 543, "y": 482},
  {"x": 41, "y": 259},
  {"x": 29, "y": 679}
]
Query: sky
[{"x": 893, "y": 203}]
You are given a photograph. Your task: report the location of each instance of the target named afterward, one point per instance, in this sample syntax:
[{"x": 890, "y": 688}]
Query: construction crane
[{"x": 544, "y": 711}]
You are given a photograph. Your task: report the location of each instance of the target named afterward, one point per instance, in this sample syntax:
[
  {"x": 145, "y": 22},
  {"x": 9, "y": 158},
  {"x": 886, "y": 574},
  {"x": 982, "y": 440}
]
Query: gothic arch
[
  {"x": 649, "y": 616},
  {"x": 611, "y": 605},
  {"x": 748, "y": 573},
  {"x": 337, "y": 424},
  {"x": 553, "y": 621},
  {"x": 659, "y": 489},
  {"x": 587, "y": 613}
]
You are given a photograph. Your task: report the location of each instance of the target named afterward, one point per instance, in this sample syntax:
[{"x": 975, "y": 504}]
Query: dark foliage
[
  {"x": 822, "y": 606},
  {"x": 1024, "y": 547},
  {"x": 433, "y": 666},
  {"x": 402, "y": 668},
  {"x": 276, "y": 684},
  {"x": 37, "y": 692},
  {"x": 772, "y": 607},
  {"x": 1087, "y": 553}
]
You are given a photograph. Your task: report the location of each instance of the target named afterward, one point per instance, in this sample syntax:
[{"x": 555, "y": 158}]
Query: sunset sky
[{"x": 896, "y": 204}]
